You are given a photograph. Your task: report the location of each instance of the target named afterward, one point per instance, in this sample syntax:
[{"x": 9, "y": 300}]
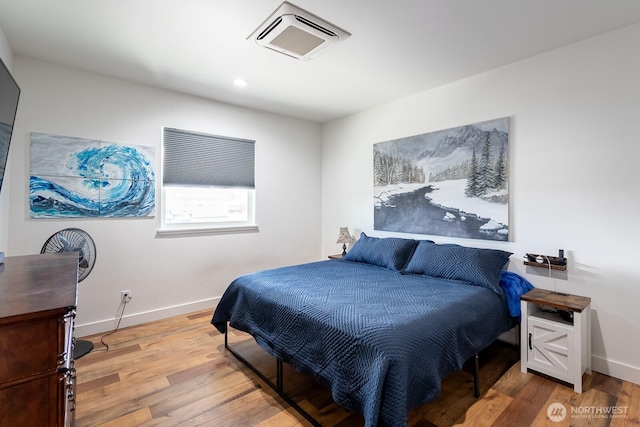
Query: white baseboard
[
  {"x": 144, "y": 317},
  {"x": 615, "y": 369}
]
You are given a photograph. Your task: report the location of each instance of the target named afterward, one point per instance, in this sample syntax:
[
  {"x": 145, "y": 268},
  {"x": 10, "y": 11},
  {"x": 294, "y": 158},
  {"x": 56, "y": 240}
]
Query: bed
[{"x": 383, "y": 326}]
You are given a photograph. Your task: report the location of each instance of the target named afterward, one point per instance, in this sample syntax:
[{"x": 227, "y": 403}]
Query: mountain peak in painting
[{"x": 464, "y": 141}]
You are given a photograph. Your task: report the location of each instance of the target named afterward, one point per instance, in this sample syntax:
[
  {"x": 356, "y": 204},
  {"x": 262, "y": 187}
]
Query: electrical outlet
[{"x": 125, "y": 296}]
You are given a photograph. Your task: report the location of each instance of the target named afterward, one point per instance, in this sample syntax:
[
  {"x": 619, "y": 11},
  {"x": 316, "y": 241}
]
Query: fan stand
[{"x": 81, "y": 348}]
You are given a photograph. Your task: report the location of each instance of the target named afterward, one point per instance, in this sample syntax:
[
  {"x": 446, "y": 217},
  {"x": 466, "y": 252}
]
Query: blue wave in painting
[
  {"x": 48, "y": 199},
  {"x": 122, "y": 175}
]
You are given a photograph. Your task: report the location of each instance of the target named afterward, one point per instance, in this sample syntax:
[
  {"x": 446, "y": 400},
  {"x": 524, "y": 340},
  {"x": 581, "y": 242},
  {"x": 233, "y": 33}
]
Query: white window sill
[{"x": 205, "y": 231}]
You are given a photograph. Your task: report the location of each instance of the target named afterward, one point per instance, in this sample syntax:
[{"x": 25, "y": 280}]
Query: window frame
[{"x": 176, "y": 229}]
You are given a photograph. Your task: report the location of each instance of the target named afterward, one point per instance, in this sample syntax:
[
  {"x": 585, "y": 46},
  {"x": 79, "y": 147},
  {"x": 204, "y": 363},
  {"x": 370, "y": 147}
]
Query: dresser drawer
[
  {"x": 31, "y": 347},
  {"x": 33, "y": 403}
]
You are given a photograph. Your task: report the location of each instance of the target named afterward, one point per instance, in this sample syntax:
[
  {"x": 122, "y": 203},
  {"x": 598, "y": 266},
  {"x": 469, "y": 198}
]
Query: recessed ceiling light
[{"x": 240, "y": 82}]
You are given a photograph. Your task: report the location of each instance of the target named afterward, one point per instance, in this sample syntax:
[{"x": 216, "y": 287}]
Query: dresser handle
[
  {"x": 530, "y": 346},
  {"x": 62, "y": 360}
]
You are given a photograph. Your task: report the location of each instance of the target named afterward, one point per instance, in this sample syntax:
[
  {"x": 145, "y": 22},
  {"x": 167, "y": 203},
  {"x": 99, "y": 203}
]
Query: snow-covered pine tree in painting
[{"x": 452, "y": 182}]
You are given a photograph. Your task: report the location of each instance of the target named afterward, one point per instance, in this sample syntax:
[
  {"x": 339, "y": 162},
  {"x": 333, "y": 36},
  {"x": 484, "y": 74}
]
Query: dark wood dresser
[{"x": 38, "y": 296}]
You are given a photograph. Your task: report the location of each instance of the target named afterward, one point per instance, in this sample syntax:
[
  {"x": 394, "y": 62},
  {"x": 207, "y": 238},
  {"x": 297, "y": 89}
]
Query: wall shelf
[{"x": 557, "y": 263}]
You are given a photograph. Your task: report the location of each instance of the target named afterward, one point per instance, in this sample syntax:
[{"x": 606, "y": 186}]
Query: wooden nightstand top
[
  {"x": 336, "y": 256},
  {"x": 557, "y": 300}
]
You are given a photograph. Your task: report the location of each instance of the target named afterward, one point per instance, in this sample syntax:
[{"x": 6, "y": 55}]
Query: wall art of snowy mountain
[{"x": 451, "y": 182}]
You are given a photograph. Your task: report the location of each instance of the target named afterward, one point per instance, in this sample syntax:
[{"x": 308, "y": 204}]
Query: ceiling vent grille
[{"x": 297, "y": 33}]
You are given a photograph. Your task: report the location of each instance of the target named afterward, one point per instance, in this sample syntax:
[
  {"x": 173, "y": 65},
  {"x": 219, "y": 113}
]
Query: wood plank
[
  {"x": 486, "y": 411},
  {"x": 512, "y": 382},
  {"x": 562, "y": 395},
  {"x": 245, "y": 410},
  {"x": 527, "y": 403},
  {"x": 132, "y": 419},
  {"x": 629, "y": 405},
  {"x": 97, "y": 384},
  {"x": 288, "y": 418},
  {"x": 229, "y": 388},
  {"x": 112, "y": 402},
  {"x": 197, "y": 370},
  {"x": 556, "y": 299}
]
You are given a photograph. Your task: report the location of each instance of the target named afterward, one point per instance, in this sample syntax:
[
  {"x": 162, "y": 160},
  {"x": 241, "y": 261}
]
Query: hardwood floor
[{"x": 176, "y": 372}]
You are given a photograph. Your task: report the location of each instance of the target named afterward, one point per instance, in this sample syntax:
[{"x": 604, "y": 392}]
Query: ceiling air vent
[{"x": 297, "y": 33}]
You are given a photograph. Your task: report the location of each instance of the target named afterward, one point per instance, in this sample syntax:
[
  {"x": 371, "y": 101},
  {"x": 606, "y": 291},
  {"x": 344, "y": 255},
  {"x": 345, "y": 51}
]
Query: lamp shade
[{"x": 344, "y": 236}]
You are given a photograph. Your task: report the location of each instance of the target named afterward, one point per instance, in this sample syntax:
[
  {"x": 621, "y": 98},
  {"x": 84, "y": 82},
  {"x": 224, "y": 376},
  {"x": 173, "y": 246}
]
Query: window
[{"x": 207, "y": 183}]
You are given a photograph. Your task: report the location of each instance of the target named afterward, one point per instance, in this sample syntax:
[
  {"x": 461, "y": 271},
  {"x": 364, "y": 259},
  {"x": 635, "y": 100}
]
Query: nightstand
[
  {"x": 337, "y": 256},
  {"x": 551, "y": 344}
]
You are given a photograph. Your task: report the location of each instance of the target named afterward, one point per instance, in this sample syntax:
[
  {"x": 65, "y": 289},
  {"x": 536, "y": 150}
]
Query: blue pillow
[
  {"x": 419, "y": 262},
  {"x": 390, "y": 252},
  {"x": 514, "y": 287},
  {"x": 475, "y": 265}
]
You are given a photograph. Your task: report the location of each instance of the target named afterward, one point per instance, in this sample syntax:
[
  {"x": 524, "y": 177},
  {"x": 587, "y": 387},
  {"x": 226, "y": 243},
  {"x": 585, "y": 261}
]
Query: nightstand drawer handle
[{"x": 530, "y": 346}]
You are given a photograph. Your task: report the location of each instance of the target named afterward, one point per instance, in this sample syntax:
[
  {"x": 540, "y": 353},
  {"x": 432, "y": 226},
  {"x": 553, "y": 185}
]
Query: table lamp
[{"x": 345, "y": 238}]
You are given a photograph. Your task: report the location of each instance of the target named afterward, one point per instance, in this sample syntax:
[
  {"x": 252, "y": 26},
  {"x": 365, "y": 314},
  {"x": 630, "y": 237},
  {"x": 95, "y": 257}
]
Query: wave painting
[{"x": 76, "y": 177}]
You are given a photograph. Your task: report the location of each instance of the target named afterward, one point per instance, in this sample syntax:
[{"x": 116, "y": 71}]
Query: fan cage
[{"x": 73, "y": 239}]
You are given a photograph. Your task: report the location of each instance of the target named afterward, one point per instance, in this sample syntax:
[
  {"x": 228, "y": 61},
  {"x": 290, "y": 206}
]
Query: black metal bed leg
[
  {"x": 476, "y": 376},
  {"x": 279, "y": 380},
  {"x": 226, "y": 337}
]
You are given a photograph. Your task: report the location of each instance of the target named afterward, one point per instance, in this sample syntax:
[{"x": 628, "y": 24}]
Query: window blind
[{"x": 192, "y": 158}]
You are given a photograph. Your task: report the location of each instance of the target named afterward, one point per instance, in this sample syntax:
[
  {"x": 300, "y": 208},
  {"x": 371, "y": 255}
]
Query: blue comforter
[{"x": 381, "y": 341}]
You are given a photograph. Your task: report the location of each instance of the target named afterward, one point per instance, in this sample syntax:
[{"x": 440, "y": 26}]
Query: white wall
[
  {"x": 165, "y": 275},
  {"x": 573, "y": 173},
  {"x": 7, "y": 58}
]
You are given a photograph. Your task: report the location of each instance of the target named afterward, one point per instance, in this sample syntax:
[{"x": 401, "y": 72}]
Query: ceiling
[{"x": 397, "y": 48}]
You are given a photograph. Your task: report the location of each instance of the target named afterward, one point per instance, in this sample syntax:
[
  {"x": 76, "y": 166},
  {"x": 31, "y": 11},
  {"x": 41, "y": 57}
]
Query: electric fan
[{"x": 69, "y": 240}]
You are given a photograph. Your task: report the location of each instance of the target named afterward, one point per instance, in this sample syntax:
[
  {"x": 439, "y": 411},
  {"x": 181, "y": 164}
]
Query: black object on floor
[{"x": 81, "y": 348}]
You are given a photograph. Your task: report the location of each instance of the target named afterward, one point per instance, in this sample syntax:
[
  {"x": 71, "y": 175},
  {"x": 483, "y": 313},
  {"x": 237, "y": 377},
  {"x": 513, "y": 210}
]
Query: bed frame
[{"x": 278, "y": 387}]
